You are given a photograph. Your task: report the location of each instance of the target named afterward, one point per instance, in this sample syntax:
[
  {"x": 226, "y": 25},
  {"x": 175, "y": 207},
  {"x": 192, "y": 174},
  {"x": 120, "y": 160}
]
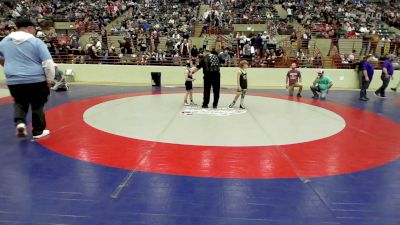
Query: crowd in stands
[
  {"x": 158, "y": 15},
  {"x": 262, "y": 49},
  {"x": 142, "y": 27},
  {"x": 6, "y": 27},
  {"x": 87, "y": 15},
  {"x": 348, "y": 19},
  {"x": 38, "y": 11},
  {"x": 93, "y": 15},
  {"x": 223, "y": 14}
]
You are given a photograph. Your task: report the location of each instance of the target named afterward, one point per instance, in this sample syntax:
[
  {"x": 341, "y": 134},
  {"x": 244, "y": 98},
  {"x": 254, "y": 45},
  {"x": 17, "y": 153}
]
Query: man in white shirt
[
  {"x": 98, "y": 45},
  {"x": 15, "y": 14},
  {"x": 363, "y": 29},
  {"x": 171, "y": 21},
  {"x": 289, "y": 14},
  {"x": 351, "y": 56}
]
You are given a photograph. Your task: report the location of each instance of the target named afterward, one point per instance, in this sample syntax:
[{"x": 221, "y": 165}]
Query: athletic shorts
[{"x": 188, "y": 85}]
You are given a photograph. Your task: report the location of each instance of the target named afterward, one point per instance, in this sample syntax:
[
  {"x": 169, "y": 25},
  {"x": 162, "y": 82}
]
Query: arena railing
[
  {"x": 257, "y": 62},
  {"x": 254, "y": 20}
]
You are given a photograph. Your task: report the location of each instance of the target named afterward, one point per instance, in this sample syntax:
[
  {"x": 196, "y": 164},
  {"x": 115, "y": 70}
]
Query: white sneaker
[
  {"x": 186, "y": 104},
  {"x": 21, "y": 130},
  {"x": 43, "y": 134}
]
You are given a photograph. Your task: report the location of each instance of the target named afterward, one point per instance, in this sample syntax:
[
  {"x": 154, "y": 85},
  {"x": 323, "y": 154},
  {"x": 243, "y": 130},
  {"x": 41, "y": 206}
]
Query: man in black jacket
[{"x": 210, "y": 64}]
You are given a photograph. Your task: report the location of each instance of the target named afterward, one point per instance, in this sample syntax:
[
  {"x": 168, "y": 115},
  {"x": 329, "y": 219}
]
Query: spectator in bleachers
[
  {"x": 304, "y": 61},
  {"x": 112, "y": 51},
  {"x": 205, "y": 41},
  {"x": 258, "y": 46},
  {"x": 92, "y": 51},
  {"x": 142, "y": 47},
  {"x": 156, "y": 37},
  {"x": 392, "y": 44},
  {"x": 242, "y": 40},
  {"x": 247, "y": 52},
  {"x": 185, "y": 49},
  {"x": 293, "y": 38},
  {"x": 396, "y": 49},
  {"x": 305, "y": 40},
  {"x": 225, "y": 57},
  {"x": 289, "y": 14},
  {"x": 334, "y": 35},
  {"x": 365, "y": 43},
  {"x": 385, "y": 45},
  {"x": 160, "y": 56},
  {"x": 194, "y": 52},
  {"x": 351, "y": 58},
  {"x": 272, "y": 42},
  {"x": 99, "y": 47},
  {"x": 39, "y": 33},
  {"x": 374, "y": 42}
]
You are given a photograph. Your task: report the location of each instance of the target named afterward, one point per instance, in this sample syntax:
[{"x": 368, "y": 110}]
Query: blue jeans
[
  {"x": 316, "y": 89},
  {"x": 364, "y": 87}
]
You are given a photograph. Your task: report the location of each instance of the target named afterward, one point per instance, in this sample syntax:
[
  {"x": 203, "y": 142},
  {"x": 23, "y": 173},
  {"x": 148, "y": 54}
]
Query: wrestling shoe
[
  {"x": 21, "y": 130},
  {"x": 43, "y": 134}
]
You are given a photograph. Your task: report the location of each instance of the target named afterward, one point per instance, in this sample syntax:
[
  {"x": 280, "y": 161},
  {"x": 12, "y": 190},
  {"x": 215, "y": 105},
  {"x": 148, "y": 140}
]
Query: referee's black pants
[
  {"x": 34, "y": 95},
  {"x": 211, "y": 79}
]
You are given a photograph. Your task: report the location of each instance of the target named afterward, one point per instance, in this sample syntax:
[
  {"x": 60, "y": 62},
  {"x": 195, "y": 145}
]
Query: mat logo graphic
[{"x": 190, "y": 111}]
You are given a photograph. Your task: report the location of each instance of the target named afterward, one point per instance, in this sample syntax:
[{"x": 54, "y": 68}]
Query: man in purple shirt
[
  {"x": 387, "y": 74},
  {"x": 366, "y": 76}
]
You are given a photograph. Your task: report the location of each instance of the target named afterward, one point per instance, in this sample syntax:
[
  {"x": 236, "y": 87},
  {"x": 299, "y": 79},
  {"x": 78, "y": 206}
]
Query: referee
[
  {"x": 29, "y": 70},
  {"x": 210, "y": 64}
]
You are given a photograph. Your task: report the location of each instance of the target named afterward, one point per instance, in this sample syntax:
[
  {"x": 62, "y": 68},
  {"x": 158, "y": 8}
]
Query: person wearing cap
[
  {"x": 29, "y": 71},
  {"x": 293, "y": 79},
  {"x": 387, "y": 74},
  {"x": 366, "y": 76},
  {"x": 210, "y": 63},
  {"x": 321, "y": 84}
]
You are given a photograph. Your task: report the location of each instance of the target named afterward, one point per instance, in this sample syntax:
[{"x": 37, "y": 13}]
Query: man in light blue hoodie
[{"x": 29, "y": 70}]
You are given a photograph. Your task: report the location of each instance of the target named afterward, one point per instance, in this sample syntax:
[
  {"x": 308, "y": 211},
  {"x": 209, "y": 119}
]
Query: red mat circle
[{"x": 361, "y": 145}]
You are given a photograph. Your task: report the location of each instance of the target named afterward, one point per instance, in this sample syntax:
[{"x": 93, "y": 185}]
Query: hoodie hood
[{"x": 20, "y": 37}]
